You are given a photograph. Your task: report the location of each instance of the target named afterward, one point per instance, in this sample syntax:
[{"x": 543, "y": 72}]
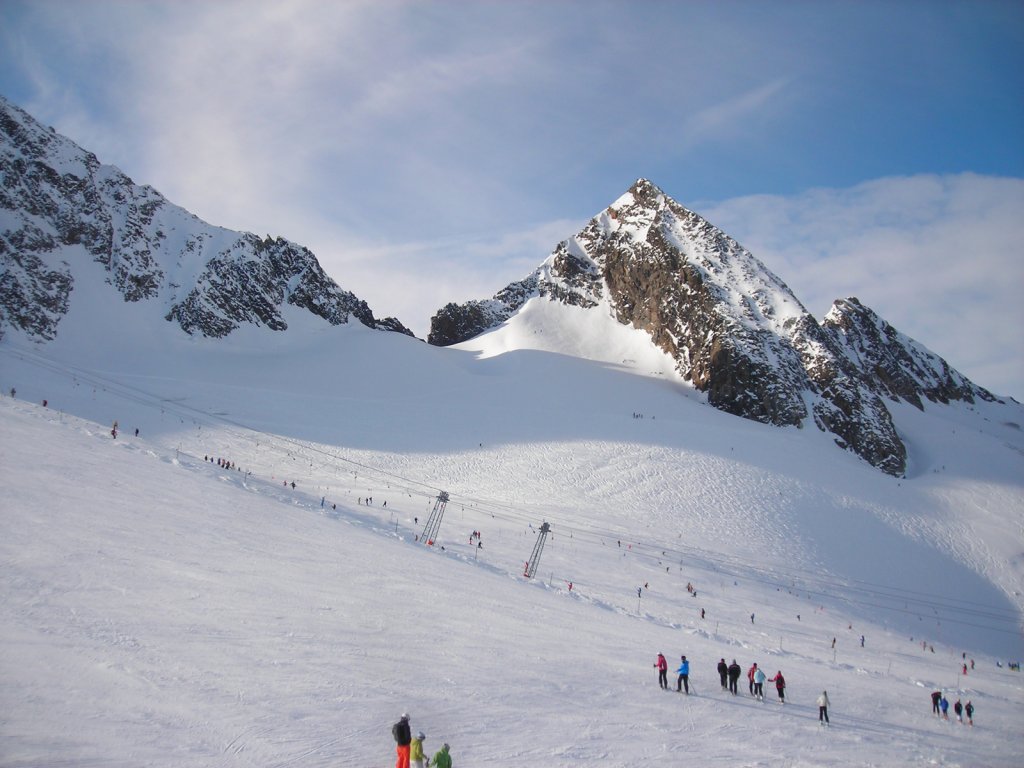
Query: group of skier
[
  {"x": 729, "y": 675},
  {"x": 940, "y": 708},
  {"x": 409, "y": 748}
]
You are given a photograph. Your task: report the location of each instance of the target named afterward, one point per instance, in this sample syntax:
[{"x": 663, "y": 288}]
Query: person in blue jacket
[{"x": 684, "y": 676}]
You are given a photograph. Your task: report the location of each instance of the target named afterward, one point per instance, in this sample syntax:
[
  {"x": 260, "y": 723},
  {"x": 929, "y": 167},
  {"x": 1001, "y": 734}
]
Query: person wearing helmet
[
  {"x": 416, "y": 756},
  {"x": 403, "y": 737},
  {"x": 442, "y": 759}
]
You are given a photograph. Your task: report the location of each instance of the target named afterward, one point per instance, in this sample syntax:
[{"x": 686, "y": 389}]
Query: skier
[
  {"x": 416, "y": 756},
  {"x": 823, "y": 708},
  {"x": 442, "y": 759},
  {"x": 969, "y": 711},
  {"x": 944, "y": 706},
  {"x": 750, "y": 678},
  {"x": 723, "y": 672},
  {"x": 936, "y": 697},
  {"x": 683, "y": 681},
  {"x": 403, "y": 738},
  {"x": 959, "y": 709},
  {"x": 780, "y": 686},
  {"x": 759, "y": 678},
  {"x": 662, "y": 666},
  {"x": 734, "y": 676}
]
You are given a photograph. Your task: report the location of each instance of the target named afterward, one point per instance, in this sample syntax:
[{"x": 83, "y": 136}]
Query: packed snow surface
[{"x": 161, "y": 608}]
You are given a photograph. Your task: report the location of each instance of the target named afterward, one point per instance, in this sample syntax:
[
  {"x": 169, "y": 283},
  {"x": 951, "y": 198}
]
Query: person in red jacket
[
  {"x": 662, "y": 666},
  {"x": 750, "y": 677},
  {"x": 780, "y": 686}
]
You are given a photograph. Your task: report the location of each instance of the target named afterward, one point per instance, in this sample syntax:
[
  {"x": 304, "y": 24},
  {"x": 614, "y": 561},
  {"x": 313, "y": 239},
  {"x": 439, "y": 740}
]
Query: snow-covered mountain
[
  {"x": 734, "y": 329},
  {"x": 63, "y": 214},
  {"x": 222, "y": 584}
]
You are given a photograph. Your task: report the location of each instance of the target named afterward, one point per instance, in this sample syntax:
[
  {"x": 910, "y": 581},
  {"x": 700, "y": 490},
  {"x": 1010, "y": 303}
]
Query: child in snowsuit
[
  {"x": 944, "y": 706},
  {"x": 416, "y": 756},
  {"x": 969, "y": 711},
  {"x": 959, "y": 709},
  {"x": 442, "y": 759}
]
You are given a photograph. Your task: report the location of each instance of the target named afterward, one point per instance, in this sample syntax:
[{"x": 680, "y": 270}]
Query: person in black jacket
[
  {"x": 723, "y": 672},
  {"x": 734, "y": 676},
  {"x": 403, "y": 738}
]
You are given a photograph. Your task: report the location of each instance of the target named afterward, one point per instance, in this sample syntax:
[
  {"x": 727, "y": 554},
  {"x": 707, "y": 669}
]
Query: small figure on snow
[
  {"x": 759, "y": 678},
  {"x": 750, "y": 678},
  {"x": 780, "y": 686},
  {"x": 936, "y": 698},
  {"x": 734, "y": 676},
  {"x": 723, "y": 673},
  {"x": 416, "y": 757},
  {"x": 823, "y": 708},
  {"x": 683, "y": 681},
  {"x": 662, "y": 666},
  {"x": 442, "y": 759},
  {"x": 958, "y": 708},
  {"x": 969, "y": 711},
  {"x": 944, "y": 706}
]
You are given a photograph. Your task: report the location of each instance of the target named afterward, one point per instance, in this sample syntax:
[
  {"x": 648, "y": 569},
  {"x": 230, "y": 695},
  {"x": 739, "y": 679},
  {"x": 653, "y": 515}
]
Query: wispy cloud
[{"x": 725, "y": 120}]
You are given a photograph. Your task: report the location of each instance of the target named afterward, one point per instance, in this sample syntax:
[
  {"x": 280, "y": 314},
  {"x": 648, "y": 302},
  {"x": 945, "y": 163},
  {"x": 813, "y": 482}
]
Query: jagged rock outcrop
[
  {"x": 59, "y": 206},
  {"x": 457, "y": 322},
  {"x": 899, "y": 367},
  {"x": 735, "y": 330}
]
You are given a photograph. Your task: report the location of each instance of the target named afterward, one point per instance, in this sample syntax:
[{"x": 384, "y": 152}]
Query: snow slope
[{"x": 160, "y": 610}]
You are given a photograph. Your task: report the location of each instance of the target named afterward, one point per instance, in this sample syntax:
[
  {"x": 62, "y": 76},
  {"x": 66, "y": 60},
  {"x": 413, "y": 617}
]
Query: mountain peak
[
  {"x": 66, "y": 216},
  {"x": 736, "y": 332}
]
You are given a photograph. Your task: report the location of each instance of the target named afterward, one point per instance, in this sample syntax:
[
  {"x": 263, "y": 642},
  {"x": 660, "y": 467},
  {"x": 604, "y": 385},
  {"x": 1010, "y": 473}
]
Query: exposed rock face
[
  {"x": 899, "y": 367},
  {"x": 735, "y": 330},
  {"x": 457, "y": 322},
  {"x": 60, "y": 205}
]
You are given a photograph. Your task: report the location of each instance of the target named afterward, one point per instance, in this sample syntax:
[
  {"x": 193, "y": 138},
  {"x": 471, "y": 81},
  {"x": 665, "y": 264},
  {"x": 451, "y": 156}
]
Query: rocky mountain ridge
[
  {"x": 735, "y": 330},
  {"x": 60, "y": 207}
]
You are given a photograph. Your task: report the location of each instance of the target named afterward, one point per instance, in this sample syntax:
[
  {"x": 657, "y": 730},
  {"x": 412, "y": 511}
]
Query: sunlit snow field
[{"x": 161, "y": 610}]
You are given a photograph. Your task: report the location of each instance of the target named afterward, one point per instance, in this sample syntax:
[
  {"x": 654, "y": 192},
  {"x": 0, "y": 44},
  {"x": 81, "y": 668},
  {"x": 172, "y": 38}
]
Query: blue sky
[{"x": 434, "y": 151}]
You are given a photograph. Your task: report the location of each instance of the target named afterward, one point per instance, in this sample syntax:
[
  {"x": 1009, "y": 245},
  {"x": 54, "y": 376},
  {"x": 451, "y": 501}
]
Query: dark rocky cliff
[{"x": 60, "y": 207}]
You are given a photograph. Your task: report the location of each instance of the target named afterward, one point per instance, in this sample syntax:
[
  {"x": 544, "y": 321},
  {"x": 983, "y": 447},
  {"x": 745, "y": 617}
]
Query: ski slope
[{"x": 161, "y": 610}]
